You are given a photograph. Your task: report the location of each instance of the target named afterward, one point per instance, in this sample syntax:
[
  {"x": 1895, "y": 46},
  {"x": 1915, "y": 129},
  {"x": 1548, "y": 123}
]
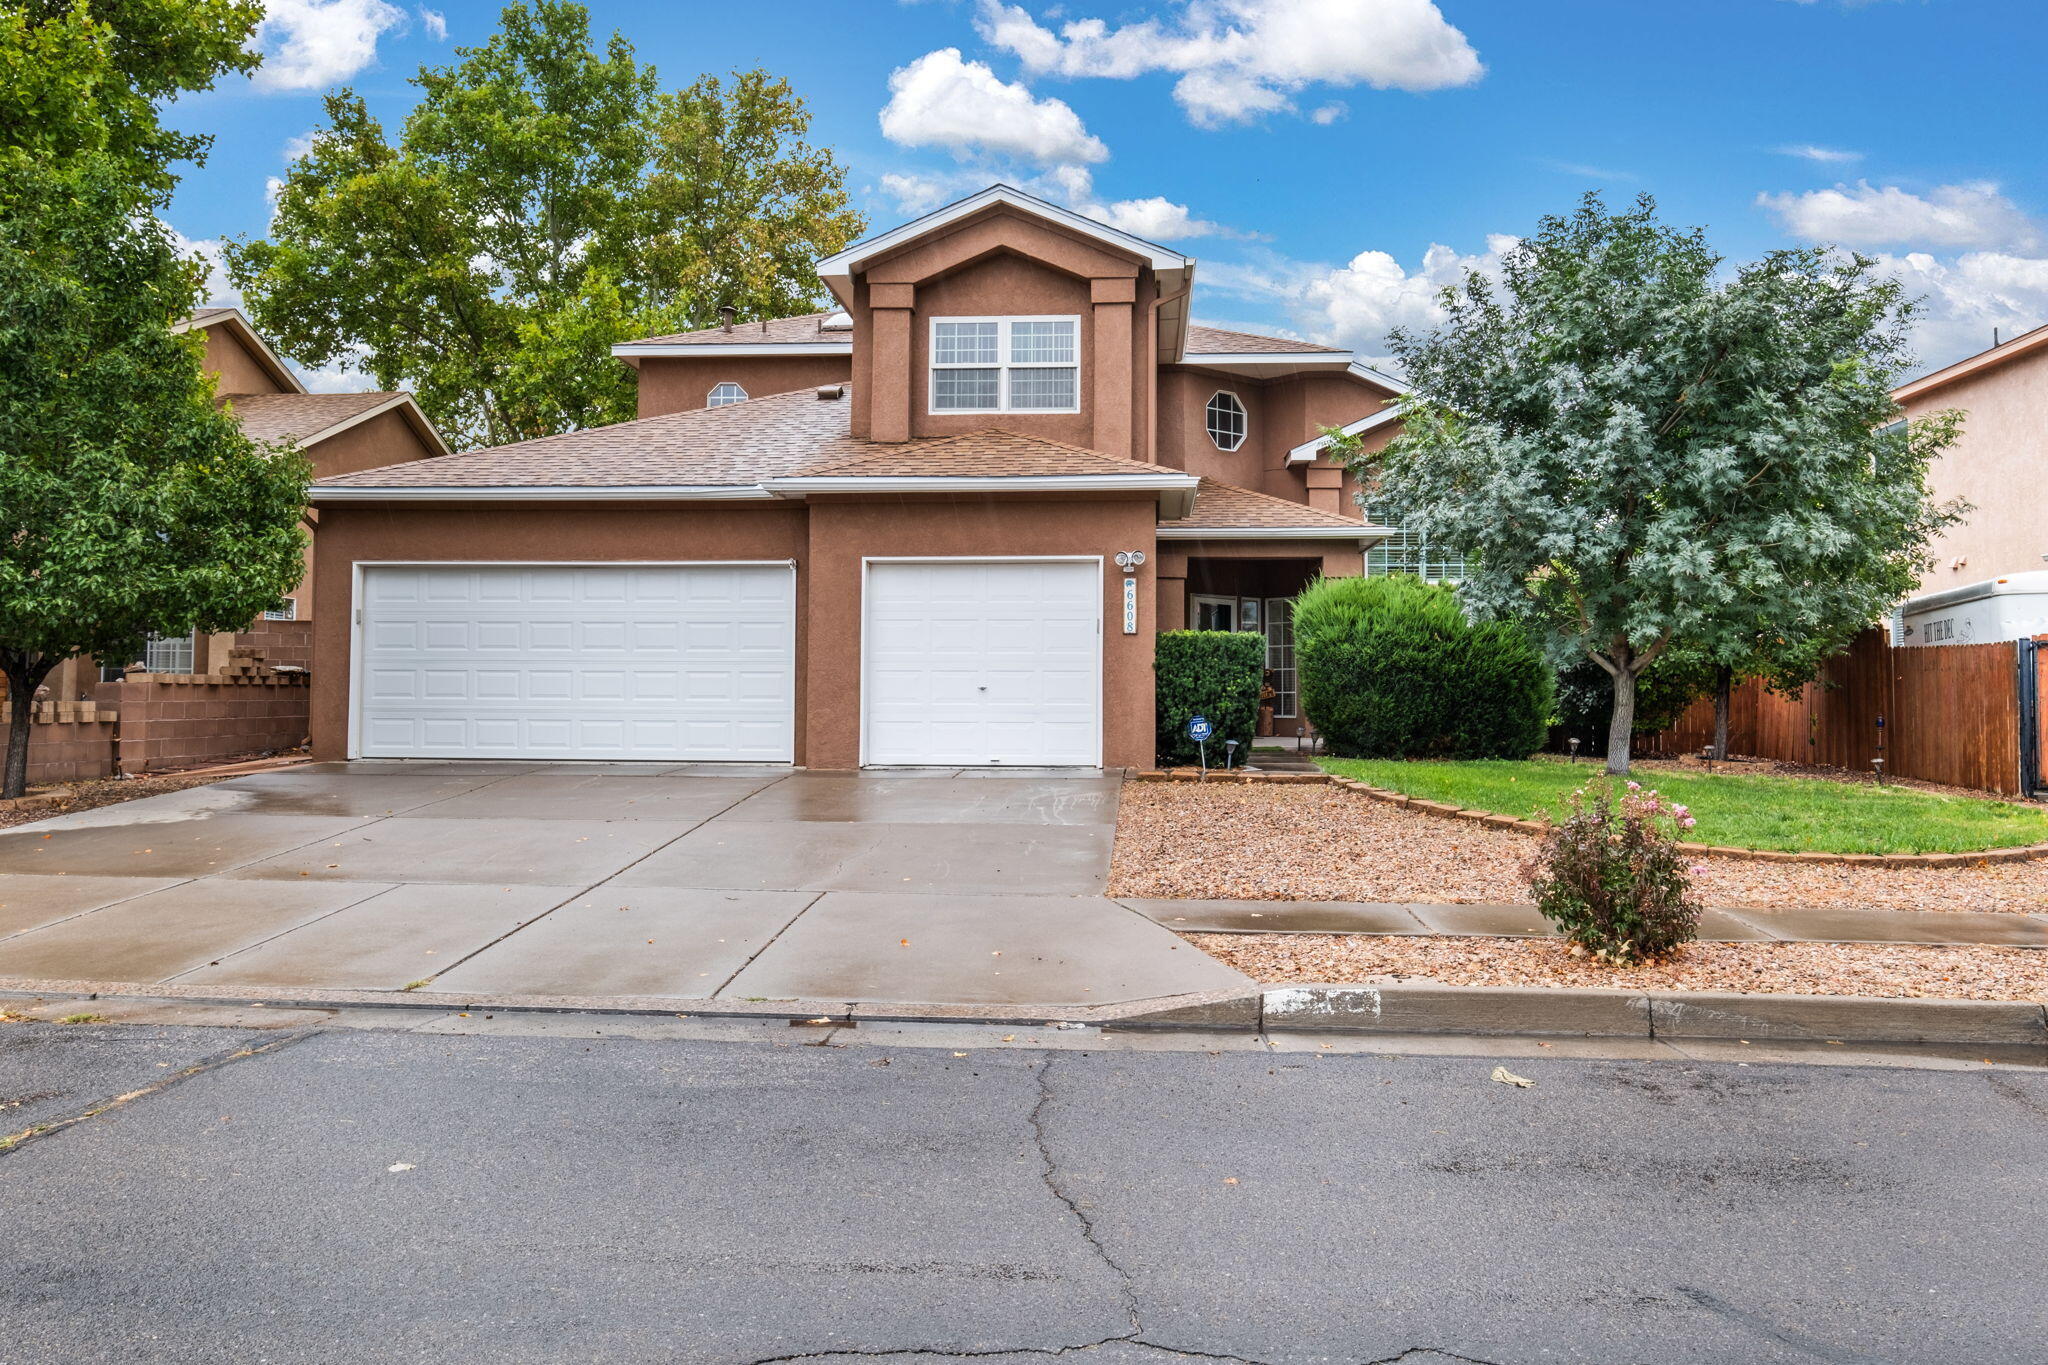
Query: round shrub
[
  {"x": 1611, "y": 876},
  {"x": 1214, "y": 673},
  {"x": 1389, "y": 667}
]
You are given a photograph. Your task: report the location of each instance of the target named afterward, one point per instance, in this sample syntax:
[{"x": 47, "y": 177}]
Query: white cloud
[
  {"x": 1965, "y": 297},
  {"x": 1808, "y": 151},
  {"x": 1158, "y": 219},
  {"x": 1239, "y": 59},
  {"x": 1333, "y": 112},
  {"x": 340, "y": 377},
  {"x": 314, "y": 44},
  {"x": 220, "y": 292},
  {"x": 1963, "y": 216},
  {"x": 435, "y": 23},
  {"x": 940, "y": 100},
  {"x": 917, "y": 193},
  {"x": 1358, "y": 303},
  {"x": 273, "y": 189},
  {"x": 300, "y": 145}
]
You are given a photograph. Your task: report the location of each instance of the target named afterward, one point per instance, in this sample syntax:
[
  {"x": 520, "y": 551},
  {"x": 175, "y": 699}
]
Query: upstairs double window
[{"x": 1006, "y": 365}]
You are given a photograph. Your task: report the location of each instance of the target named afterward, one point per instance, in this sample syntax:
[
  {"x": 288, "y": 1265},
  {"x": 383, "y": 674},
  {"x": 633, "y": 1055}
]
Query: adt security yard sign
[{"x": 1199, "y": 729}]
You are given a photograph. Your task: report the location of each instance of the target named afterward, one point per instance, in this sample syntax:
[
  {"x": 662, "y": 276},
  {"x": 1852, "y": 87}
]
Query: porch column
[{"x": 1171, "y": 575}]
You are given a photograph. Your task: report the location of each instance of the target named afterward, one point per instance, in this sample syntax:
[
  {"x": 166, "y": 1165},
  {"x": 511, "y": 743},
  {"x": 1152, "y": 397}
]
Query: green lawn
[{"x": 1804, "y": 814}]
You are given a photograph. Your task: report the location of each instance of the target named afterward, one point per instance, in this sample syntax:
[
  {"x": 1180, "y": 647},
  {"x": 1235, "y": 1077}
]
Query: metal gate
[{"x": 2033, "y": 716}]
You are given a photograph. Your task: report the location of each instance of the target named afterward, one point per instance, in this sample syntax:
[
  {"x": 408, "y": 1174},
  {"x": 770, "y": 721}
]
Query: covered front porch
[{"x": 1251, "y": 586}]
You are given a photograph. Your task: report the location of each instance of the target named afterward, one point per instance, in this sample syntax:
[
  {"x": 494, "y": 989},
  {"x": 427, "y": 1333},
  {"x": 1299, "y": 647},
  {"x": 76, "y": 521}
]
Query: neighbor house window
[
  {"x": 287, "y": 609},
  {"x": 1006, "y": 365},
  {"x": 1226, "y": 421},
  {"x": 725, "y": 395},
  {"x": 1408, "y": 550},
  {"x": 168, "y": 654}
]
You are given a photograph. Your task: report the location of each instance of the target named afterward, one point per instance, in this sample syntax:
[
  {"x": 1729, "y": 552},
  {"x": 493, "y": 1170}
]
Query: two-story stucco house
[{"x": 903, "y": 532}]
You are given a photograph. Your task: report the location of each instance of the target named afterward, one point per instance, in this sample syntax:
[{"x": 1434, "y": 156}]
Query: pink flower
[
  {"x": 1635, "y": 786},
  {"x": 1687, "y": 822}
]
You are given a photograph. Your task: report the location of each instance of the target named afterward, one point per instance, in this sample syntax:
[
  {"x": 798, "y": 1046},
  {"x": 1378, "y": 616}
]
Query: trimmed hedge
[
  {"x": 1390, "y": 668},
  {"x": 1213, "y": 673}
]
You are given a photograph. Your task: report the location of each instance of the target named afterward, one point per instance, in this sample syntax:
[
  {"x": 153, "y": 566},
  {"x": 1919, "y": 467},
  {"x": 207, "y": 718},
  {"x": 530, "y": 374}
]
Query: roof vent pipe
[{"x": 726, "y": 313}]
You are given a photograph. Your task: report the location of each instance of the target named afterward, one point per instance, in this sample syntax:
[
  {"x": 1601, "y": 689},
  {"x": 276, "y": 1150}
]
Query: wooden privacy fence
[{"x": 1937, "y": 713}]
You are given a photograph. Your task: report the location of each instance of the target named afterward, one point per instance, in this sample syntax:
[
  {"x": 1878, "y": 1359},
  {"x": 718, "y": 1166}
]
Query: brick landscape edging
[{"x": 2024, "y": 853}]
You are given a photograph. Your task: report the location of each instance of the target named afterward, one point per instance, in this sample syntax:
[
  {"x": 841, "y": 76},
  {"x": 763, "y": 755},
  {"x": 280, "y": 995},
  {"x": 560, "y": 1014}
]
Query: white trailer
[{"x": 2014, "y": 607}]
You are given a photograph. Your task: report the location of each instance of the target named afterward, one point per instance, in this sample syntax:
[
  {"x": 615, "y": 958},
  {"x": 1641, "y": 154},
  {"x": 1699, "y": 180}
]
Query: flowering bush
[{"x": 1611, "y": 877}]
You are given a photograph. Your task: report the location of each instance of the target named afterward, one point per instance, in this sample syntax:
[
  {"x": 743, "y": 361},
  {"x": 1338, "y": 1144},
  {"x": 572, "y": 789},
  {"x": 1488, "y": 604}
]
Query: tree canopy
[
  {"x": 545, "y": 200},
  {"x": 1634, "y": 446}
]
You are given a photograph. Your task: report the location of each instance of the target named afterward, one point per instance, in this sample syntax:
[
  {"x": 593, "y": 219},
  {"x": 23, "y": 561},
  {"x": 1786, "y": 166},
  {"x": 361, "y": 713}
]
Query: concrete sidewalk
[{"x": 1946, "y": 927}]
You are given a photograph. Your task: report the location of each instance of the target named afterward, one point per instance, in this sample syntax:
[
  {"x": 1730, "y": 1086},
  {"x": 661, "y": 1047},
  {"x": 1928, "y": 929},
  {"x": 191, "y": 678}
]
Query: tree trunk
[
  {"x": 1724, "y": 697},
  {"x": 1622, "y": 728},
  {"x": 21, "y": 696}
]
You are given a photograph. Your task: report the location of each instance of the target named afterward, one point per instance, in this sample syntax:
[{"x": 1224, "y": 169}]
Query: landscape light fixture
[{"x": 1573, "y": 745}]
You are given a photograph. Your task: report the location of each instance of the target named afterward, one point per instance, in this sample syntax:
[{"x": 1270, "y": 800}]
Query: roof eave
[
  {"x": 267, "y": 359},
  {"x": 1307, "y": 451},
  {"x": 638, "y": 350},
  {"x": 1176, "y": 492},
  {"x": 1364, "y": 535},
  {"x": 337, "y": 493}
]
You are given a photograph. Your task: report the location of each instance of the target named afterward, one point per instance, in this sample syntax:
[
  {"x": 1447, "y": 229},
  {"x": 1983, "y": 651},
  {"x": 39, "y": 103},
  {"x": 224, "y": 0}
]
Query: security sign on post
[{"x": 1199, "y": 730}]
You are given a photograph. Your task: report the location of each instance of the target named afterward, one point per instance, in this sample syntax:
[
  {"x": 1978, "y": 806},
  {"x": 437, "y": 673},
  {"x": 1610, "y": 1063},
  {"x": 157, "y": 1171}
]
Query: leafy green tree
[
  {"x": 129, "y": 502},
  {"x": 544, "y": 201},
  {"x": 1636, "y": 447},
  {"x": 89, "y": 76}
]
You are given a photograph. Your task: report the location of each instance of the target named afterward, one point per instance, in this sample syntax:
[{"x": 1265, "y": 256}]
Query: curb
[
  {"x": 1393, "y": 1008},
  {"x": 1494, "y": 820},
  {"x": 1399, "y": 1008}
]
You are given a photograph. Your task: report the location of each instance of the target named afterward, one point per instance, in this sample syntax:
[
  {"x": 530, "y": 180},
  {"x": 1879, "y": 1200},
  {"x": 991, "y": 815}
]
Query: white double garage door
[{"x": 962, "y": 662}]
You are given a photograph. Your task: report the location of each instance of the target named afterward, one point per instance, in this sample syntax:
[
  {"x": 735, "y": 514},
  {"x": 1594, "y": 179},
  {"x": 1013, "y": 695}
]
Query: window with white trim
[
  {"x": 287, "y": 609},
  {"x": 1280, "y": 655},
  {"x": 725, "y": 395},
  {"x": 168, "y": 654},
  {"x": 1006, "y": 365},
  {"x": 1408, "y": 550},
  {"x": 1227, "y": 424}
]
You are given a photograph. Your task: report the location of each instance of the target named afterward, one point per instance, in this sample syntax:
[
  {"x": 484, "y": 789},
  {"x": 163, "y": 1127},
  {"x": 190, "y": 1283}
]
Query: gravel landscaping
[
  {"x": 1179, "y": 840},
  {"x": 1884, "y": 970}
]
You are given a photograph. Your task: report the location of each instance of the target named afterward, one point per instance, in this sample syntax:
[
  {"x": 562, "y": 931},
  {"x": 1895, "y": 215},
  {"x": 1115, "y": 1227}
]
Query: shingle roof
[
  {"x": 773, "y": 332},
  {"x": 201, "y": 316},
  {"x": 989, "y": 453},
  {"x": 739, "y": 444},
  {"x": 1216, "y": 341},
  {"x": 1224, "y": 507},
  {"x": 298, "y": 416}
]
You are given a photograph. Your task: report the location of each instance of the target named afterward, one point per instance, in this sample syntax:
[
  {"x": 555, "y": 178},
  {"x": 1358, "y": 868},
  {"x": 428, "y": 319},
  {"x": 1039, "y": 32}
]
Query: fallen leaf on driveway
[
  {"x": 1507, "y": 1077},
  {"x": 399, "y": 1166}
]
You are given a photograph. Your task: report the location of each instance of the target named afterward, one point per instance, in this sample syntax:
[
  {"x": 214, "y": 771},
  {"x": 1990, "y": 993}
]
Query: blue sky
[{"x": 1330, "y": 161}]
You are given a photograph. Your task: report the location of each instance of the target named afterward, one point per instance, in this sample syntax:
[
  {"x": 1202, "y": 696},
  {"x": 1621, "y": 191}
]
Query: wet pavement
[
  {"x": 686, "y": 881},
  {"x": 594, "y": 1189}
]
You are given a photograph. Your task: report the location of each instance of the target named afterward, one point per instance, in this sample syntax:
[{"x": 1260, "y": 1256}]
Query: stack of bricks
[{"x": 246, "y": 661}]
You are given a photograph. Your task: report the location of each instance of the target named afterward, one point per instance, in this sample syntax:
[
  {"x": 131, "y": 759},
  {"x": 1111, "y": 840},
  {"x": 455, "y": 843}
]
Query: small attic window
[
  {"x": 1226, "y": 420},
  {"x": 841, "y": 321},
  {"x": 725, "y": 395}
]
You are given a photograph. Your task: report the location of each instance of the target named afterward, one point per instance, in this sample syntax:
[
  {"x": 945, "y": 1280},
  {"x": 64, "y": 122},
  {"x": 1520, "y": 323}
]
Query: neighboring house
[
  {"x": 1999, "y": 464},
  {"x": 892, "y": 534},
  {"x": 339, "y": 432}
]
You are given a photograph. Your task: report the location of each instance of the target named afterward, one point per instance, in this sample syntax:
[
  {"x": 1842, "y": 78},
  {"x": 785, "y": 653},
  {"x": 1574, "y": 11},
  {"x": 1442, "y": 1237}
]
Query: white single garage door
[
  {"x": 642, "y": 661},
  {"x": 982, "y": 662}
]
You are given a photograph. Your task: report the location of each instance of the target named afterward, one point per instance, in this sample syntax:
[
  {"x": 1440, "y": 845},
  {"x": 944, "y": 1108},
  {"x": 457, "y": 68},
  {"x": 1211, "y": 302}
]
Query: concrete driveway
[{"x": 591, "y": 880}]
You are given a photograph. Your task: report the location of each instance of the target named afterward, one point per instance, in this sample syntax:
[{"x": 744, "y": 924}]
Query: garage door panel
[
  {"x": 667, "y": 663},
  {"x": 983, "y": 662}
]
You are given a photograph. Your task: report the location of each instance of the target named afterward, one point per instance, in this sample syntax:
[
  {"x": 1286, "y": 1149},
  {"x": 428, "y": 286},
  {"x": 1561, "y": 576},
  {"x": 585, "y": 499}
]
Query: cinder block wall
[
  {"x": 67, "y": 742},
  {"x": 184, "y": 720}
]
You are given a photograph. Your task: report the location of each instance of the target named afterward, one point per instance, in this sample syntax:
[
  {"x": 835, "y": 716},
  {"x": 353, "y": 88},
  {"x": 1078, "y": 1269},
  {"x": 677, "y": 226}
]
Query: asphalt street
[{"x": 365, "y": 1195}]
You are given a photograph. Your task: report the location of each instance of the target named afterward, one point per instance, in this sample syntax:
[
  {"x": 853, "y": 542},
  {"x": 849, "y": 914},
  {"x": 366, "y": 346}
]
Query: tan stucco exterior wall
[
  {"x": 2000, "y": 465},
  {"x": 238, "y": 370},
  {"x": 682, "y": 384}
]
